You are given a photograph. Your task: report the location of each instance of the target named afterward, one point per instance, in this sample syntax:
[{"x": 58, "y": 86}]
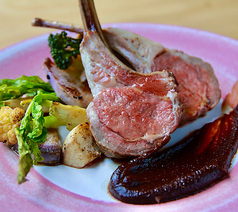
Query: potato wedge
[{"x": 79, "y": 148}]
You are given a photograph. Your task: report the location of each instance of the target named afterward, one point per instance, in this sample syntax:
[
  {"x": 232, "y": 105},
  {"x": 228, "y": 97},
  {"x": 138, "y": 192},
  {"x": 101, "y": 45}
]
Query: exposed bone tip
[{"x": 37, "y": 22}]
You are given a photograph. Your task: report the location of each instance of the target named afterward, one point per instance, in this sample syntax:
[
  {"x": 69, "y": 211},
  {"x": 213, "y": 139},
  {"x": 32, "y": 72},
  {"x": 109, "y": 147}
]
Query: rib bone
[{"x": 39, "y": 22}]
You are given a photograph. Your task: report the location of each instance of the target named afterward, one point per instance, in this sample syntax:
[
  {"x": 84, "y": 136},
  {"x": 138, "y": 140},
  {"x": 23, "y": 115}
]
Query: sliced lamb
[
  {"x": 68, "y": 85},
  {"x": 131, "y": 113},
  {"x": 198, "y": 87}
]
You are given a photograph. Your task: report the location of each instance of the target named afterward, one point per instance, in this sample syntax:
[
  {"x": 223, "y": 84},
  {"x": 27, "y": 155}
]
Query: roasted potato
[{"x": 79, "y": 148}]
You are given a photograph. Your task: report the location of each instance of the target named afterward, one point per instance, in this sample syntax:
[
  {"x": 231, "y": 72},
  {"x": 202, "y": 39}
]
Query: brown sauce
[{"x": 194, "y": 164}]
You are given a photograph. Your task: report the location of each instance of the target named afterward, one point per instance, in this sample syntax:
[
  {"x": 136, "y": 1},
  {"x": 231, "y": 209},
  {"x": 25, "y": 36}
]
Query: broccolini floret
[{"x": 63, "y": 49}]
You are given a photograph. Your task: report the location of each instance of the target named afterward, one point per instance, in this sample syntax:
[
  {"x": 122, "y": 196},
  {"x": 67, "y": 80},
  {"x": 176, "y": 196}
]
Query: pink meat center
[
  {"x": 133, "y": 114},
  {"x": 191, "y": 89}
]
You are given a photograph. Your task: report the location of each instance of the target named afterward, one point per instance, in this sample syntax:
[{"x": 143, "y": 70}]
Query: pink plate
[{"x": 39, "y": 194}]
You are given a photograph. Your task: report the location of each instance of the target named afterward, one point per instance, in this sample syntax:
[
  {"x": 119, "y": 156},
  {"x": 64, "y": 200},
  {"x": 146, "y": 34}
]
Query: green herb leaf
[
  {"x": 2, "y": 104},
  {"x": 32, "y": 133},
  {"x": 25, "y": 160},
  {"x": 24, "y": 85}
]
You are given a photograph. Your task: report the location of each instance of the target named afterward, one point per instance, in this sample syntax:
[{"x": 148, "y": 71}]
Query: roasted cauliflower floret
[{"x": 9, "y": 120}]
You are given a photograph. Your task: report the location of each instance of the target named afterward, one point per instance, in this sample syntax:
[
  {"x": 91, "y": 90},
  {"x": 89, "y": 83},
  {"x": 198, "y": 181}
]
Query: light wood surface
[{"x": 218, "y": 16}]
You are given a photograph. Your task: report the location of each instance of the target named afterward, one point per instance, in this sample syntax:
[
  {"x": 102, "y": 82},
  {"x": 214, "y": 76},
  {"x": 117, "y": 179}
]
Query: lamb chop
[
  {"x": 131, "y": 113},
  {"x": 198, "y": 87}
]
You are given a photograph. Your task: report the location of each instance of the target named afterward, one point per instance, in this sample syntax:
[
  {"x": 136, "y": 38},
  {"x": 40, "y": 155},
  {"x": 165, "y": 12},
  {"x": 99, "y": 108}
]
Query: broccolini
[{"x": 63, "y": 49}]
